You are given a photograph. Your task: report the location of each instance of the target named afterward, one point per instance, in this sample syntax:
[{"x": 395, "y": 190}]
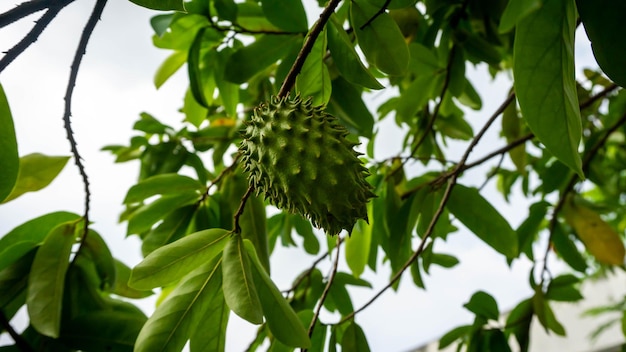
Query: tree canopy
[{"x": 213, "y": 199}]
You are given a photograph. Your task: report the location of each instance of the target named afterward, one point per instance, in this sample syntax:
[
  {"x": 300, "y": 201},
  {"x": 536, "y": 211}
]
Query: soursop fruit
[{"x": 298, "y": 157}]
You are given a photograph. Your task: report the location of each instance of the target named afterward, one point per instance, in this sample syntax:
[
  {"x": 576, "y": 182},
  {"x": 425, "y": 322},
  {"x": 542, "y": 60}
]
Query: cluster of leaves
[{"x": 207, "y": 240}]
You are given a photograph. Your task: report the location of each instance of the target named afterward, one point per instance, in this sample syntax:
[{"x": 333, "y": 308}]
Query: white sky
[{"x": 115, "y": 85}]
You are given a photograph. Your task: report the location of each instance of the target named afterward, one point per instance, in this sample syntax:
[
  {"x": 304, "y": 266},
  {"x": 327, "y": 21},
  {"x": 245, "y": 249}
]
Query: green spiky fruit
[{"x": 298, "y": 157}]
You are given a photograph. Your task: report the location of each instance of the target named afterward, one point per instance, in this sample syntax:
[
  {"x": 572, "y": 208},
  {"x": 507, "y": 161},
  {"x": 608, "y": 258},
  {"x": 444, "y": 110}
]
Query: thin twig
[
  {"x": 34, "y": 33},
  {"x": 444, "y": 199},
  {"x": 331, "y": 278},
  {"x": 573, "y": 180},
  {"x": 492, "y": 173},
  {"x": 80, "y": 52},
  {"x": 20, "y": 342},
  {"x": 242, "y": 205},
  {"x": 220, "y": 176},
  {"x": 290, "y": 80}
]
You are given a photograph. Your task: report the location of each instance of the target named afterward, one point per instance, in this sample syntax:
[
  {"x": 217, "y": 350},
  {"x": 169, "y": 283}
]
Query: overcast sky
[{"x": 115, "y": 85}]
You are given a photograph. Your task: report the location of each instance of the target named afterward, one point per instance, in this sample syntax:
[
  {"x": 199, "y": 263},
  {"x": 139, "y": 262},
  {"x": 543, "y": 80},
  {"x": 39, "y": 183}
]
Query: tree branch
[
  {"x": 34, "y": 33},
  {"x": 290, "y": 80},
  {"x": 28, "y": 8},
  {"x": 242, "y": 205},
  {"x": 80, "y": 52},
  {"x": 453, "y": 175}
]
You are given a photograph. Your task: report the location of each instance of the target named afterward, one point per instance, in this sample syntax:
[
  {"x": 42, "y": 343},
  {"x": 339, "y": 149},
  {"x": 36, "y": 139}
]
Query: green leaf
[
  {"x": 173, "y": 227},
  {"x": 519, "y": 321},
  {"x": 47, "y": 278},
  {"x": 121, "y": 288},
  {"x": 248, "y": 61},
  {"x": 545, "y": 85},
  {"x": 515, "y": 11},
  {"x": 160, "y": 23},
  {"x": 98, "y": 252},
  {"x": 163, "y": 5},
  {"x": 229, "y": 92},
  {"x": 563, "y": 288},
  {"x": 144, "y": 218},
  {"x": 314, "y": 78},
  {"x": 484, "y": 305},
  {"x": 194, "y": 71},
  {"x": 354, "y": 339},
  {"x": 546, "y": 317},
  {"x": 226, "y": 9},
  {"x": 13, "y": 283},
  {"x": 565, "y": 247},
  {"x": 195, "y": 113},
  {"x": 165, "y": 184},
  {"x": 181, "y": 313},
  {"x": 453, "y": 335},
  {"x": 171, "y": 64},
  {"x": 9, "y": 157},
  {"x": 169, "y": 263},
  {"x": 36, "y": 172},
  {"x": 346, "y": 103},
  {"x": 604, "y": 24},
  {"x": 253, "y": 219},
  {"x": 29, "y": 235},
  {"x": 281, "y": 319},
  {"x": 346, "y": 58},
  {"x": 381, "y": 40},
  {"x": 288, "y": 15},
  {"x": 103, "y": 331},
  {"x": 358, "y": 247},
  {"x": 239, "y": 287},
  {"x": 210, "y": 336},
  {"x": 480, "y": 217}
]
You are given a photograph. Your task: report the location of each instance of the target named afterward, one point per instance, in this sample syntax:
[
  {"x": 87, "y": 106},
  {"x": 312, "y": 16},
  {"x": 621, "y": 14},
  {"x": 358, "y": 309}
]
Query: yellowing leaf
[{"x": 601, "y": 240}]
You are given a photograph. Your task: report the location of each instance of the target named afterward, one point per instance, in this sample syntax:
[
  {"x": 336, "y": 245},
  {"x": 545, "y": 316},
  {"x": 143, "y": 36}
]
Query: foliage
[{"x": 208, "y": 238}]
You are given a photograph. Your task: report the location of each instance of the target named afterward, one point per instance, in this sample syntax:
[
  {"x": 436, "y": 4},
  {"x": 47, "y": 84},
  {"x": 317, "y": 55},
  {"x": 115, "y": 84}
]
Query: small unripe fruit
[{"x": 298, "y": 157}]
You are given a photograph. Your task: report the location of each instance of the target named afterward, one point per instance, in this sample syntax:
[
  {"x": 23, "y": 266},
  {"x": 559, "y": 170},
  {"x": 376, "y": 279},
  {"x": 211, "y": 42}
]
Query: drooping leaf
[
  {"x": 36, "y": 172},
  {"x": 604, "y": 24},
  {"x": 601, "y": 240},
  {"x": 518, "y": 322},
  {"x": 566, "y": 249},
  {"x": 239, "y": 287},
  {"x": 346, "y": 104},
  {"x": 358, "y": 247},
  {"x": 453, "y": 335},
  {"x": 229, "y": 92},
  {"x": 288, "y": 15},
  {"x": 545, "y": 85},
  {"x": 314, "y": 78},
  {"x": 346, "y": 58},
  {"x": 484, "y": 305},
  {"x": 29, "y": 235},
  {"x": 163, "y": 5},
  {"x": 564, "y": 288},
  {"x": 170, "y": 263},
  {"x": 248, "y": 61},
  {"x": 483, "y": 220},
  {"x": 9, "y": 157},
  {"x": 381, "y": 40},
  {"x": 169, "y": 66},
  {"x": 13, "y": 284},
  {"x": 281, "y": 319},
  {"x": 194, "y": 70},
  {"x": 545, "y": 314},
  {"x": 103, "y": 331},
  {"x": 95, "y": 249},
  {"x": 47, "y": 277},
  {"x": 354, "y": 339},
  {"x": 181, "y": 313}
]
